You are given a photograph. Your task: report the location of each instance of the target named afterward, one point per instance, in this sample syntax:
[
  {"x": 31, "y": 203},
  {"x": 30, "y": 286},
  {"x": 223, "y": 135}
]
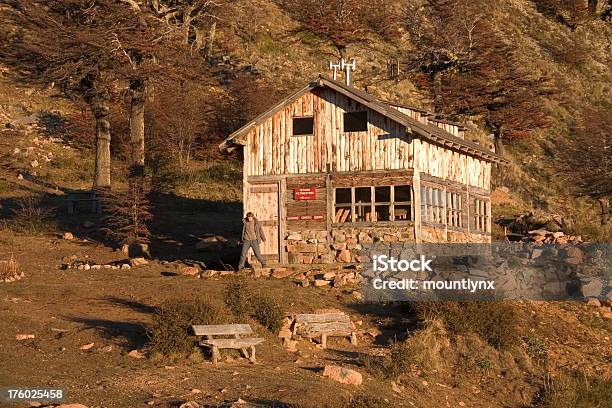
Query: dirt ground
[{"x": 112, "y": 309}]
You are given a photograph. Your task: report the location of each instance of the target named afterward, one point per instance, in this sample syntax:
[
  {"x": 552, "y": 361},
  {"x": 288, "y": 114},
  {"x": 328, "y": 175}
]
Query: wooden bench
[
  {"x": 236, "y": 342},
  {"x": 75, "y": 197},
  {"x": 324, "y": 325}
]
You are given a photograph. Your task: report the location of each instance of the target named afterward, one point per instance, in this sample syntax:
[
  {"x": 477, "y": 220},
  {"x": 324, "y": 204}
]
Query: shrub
[
  {"x": 367, "y": 401},
  {"x": 170, "y": 332},
  {"x": 268, "y": 312},
  {"x": 576, "y": 390},
  {"x": 31, "y": 217},
  {"x": 424, "y": 349},
  {"x": 263, "y": 308},
  {"x": 535, "y": 348},
  {"x": 495, "y": 322},
  {"x": 9, "y": 268},
  {"x": 5, "y": 187}
]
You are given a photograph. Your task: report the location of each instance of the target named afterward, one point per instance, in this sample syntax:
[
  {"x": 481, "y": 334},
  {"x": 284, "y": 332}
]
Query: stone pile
[
  {"x": 333, "y": 276},
  {"x": 73, "y": 262},
  {"x": 547, "y": 237},
  {"x": 292, "y": 331}
]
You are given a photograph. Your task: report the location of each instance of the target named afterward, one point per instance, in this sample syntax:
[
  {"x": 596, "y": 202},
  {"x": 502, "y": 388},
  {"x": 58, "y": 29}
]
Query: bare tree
[
  {"x": 87, "y": 47},
  {"x": 337, "y": 22},
  {"x": 459, "y": 54},
  {"x": 587, "y": 159}
]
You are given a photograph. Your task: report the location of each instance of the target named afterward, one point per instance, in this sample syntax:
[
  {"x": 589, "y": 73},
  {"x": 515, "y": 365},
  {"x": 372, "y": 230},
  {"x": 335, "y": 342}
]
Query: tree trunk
[
  {"x": 498, "y": 140},
  {"x": 436, "y": 79},
  {"x": 102, "y": 176},
  {"x": 137, "y": 124},
  {"x": 210, "y": 41},
  {"x": 604, "y": 205}
]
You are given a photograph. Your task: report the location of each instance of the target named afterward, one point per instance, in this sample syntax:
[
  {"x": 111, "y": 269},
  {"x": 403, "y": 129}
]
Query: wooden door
[{"x": 263, "y": 202}]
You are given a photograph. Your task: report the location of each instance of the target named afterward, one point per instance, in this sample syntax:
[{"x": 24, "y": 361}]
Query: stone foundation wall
[
  {"x": 345, "y": 244},
  {"x": 438, "y": 235},
  {"x": 307, "y": 247}
]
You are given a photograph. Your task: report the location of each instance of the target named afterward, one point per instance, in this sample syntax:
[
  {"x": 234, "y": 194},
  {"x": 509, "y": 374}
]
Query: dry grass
[
  {"x": 495, "y": 322},
  {"x": 31, "y": 217},
  {"x": 9, "y": 268},
  {"x": 424, "y": 349},
  {"x": 263, "y": 308},
  {"x": 170, "y": 334}
]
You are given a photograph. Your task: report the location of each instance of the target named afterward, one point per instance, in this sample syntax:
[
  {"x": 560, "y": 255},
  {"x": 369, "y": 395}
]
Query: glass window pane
[
  {"x": 402, "y": 194},
  {"x": 356, "y": 121},
  {"x": 363, "y": 195},
  {"x": 363, "y": 213},
  {"x": 403, "y": 212},
  {"x": 303, "y": 126},
  {"x": 343, "y": 214},
  {"x": 343, "y": 196},
  {"x": 383, "y": 194},
  {"x": 383, "y": 213}
]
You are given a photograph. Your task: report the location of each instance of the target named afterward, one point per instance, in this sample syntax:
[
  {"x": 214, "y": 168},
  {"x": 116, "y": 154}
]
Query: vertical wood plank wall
[{"x": 271, "y": 149}]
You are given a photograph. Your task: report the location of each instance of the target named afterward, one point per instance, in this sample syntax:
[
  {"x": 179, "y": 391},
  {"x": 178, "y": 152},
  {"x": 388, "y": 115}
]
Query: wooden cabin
[{"x": 331, "y": 168}]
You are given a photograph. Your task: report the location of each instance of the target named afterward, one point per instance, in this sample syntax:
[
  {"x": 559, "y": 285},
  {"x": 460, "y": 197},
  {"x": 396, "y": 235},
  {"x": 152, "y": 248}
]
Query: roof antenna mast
[{"x": 344, "y": 66}]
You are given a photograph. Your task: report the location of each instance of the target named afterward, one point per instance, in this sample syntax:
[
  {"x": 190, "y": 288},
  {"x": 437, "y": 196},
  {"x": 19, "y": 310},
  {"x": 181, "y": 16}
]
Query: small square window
[
  {"x": 303, "y": 126},
  {"x": 356, "y": 121}
]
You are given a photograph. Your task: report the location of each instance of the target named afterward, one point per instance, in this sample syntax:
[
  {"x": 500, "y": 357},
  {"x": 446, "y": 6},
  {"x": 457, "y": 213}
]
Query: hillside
[{"x": 83, "y": 310}]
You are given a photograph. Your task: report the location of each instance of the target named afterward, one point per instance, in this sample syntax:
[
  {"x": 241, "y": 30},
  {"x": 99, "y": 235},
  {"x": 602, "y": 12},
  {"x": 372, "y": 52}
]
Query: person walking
[{"x": 252, "y": 234}]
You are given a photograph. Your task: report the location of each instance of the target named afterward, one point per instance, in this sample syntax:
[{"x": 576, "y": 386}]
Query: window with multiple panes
[
  {"x": 441, "y": 207},
  {"x": 356, "y": 121},
  {"x": 481, "y": 215},
  {"x": 433, "y": 205},
  {"x": 303, "y": 126},
  {"x": 373, "y": 204},
  {"x": 454, "y": 209}
]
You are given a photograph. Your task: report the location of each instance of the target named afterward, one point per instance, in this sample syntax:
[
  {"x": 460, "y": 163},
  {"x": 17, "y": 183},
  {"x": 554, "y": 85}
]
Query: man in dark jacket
[{"x": 252, "y": 234}]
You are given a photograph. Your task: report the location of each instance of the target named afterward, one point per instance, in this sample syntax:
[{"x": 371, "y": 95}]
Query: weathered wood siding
[
  {"x": 451, "y": 165},
  {"x": 271, "y": 148}
]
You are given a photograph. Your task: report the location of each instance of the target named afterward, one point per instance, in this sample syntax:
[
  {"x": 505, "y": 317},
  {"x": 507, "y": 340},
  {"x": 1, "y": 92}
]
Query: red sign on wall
[
  {"x": 305, "y": 217},
  {"x": 305, "y": 193}
]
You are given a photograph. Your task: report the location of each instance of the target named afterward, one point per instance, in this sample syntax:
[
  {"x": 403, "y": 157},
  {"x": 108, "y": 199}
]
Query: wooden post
[
  {"x": 252, "y": 359},
  {"x": 243, "y": 350},
  {"x": 282, "y": 222}
]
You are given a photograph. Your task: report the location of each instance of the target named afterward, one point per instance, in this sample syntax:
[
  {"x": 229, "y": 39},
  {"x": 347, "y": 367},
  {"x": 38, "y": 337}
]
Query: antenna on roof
[
  {"x": 344, "y": 66},
  {"x": 335, "y": 68},
  {"x": 347, "y": 68}
]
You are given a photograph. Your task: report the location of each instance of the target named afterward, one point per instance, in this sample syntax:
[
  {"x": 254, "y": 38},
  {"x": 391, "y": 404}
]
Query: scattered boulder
[
  {"x": 87, "y": 346},
  {"x": 22, "y": 337},
  {"x": 136, "y": 354},
  {"x": 342, "y": 375},
  {"x": 68, "y": 236},
  {"x": 189, "y": 270},
  {"x": 71, "y": 406},
  {"x": 140, "y": 261},
  {"x": 190, "y": 404}
]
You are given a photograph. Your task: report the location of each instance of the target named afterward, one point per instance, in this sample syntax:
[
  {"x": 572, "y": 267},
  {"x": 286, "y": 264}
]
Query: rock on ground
[{"x": 343, "y": 375}]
